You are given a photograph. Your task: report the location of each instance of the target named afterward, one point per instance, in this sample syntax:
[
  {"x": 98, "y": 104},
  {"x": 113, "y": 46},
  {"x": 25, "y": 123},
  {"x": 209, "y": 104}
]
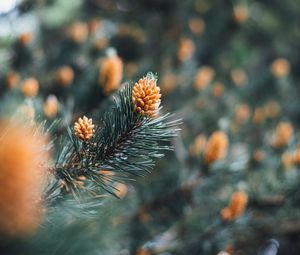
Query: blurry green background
[{"x": 231, "y": 66}]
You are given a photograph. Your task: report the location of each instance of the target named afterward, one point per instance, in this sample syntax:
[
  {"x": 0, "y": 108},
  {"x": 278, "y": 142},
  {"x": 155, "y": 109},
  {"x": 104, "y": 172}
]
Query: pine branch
[{"x": 124, "y": 146}]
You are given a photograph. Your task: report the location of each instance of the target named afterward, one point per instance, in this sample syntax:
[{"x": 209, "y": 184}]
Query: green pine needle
[{"x": 126, "y": 145}]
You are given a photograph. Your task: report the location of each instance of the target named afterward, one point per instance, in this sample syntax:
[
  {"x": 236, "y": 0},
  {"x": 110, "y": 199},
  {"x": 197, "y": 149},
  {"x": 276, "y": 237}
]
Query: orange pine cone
[
  {"x": 12, "y": 79},
  {"x": 84, "y": 128},
  {"x": 226, "y": 214},
  {"x": 287, "y": 160},
  {"x": 238, "y": 203},
  {"x": 185, "y": 49},
  {"x": 121, "y": 190},
  {"x": 25, "y": 38},
  {"x": 51, "y": 106},
  {"x": 65, "y": 75},
  {"x": 216, "y": 147},
  {"x": 78, "y": 32},
  {"x": 296, "y": 157},
  {"x": 146, "y": 96},
  {"x": 237, "y": 206},
  {"x": 240, "y": 14},
  {"x": 280, "y": 67},
  {"x": 30, "y": 87},
  {"x": 111, "y": 73},
  {"x": 204, "y": 77},
  {"x": 198, "y": 146},
  {"x": 283, "y": 134},
  {"x": 22, "y": 175}
]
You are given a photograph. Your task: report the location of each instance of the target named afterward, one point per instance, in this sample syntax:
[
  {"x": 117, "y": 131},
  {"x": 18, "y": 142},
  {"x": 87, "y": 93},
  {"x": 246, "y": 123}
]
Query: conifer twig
[{"x": 125, "y": 144}]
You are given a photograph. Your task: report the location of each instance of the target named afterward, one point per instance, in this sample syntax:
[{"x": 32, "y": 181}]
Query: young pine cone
[
  {"x": 65, "y": 76},
  {"x": 30, "y": 87},
  {"x": 283, "y": 134},
  {"x": 111, "y": 73},
  {"x": 84, "y": 128},
  {"x": 216, "y": 147},
  {"x": 236, "y": 207},
  {"x": 23, "y": 176},
  {"x": 146, "y": 96}
]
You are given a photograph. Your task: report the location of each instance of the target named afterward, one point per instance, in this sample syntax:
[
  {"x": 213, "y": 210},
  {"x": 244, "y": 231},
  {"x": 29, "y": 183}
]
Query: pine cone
[
  {"x": 78, "y": 32},
  {"x": 111, "y": 73},
  {"x": 23, "y": 175},
  {"x": 30, "y": 87},
  {"x": 237, "y": 206},
  {"x": 240, "y": 14},
  {"x": 146, "y": 96},
  {"x": 283, "y": 134},
  {"x": 25, "y": 38},
  {"x": 12, "y": 79},
  {"x": 51, "y": 106},
  {"x": 65, "y": 75},
  {"x": 280, "y": 67},
  {"x": 84, "y": 128},
  {"x": 204, "y": 77},
  {"x": 216, "y": 147}
]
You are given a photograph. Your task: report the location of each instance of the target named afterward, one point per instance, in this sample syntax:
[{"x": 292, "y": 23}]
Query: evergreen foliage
[{"x": 229, "y": 179}]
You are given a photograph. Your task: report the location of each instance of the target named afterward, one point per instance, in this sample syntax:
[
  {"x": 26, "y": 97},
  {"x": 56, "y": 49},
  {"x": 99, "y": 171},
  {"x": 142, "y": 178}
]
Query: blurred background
[{"x": 229, "y": 69}]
